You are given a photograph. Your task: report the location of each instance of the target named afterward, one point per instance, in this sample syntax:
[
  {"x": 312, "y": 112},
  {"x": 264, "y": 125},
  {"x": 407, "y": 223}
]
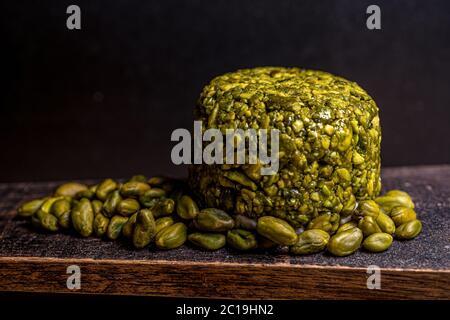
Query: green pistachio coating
[{"x": 329, "y": 153}]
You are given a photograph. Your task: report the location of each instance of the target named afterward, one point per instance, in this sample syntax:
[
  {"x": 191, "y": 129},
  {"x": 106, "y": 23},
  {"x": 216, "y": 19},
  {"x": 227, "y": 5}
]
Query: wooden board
[{"x": 417, "y": 269}]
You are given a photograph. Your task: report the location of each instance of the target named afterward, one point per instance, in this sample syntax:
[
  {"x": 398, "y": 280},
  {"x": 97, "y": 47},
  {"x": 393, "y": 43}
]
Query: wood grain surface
[{"x": 418, "y": 269}]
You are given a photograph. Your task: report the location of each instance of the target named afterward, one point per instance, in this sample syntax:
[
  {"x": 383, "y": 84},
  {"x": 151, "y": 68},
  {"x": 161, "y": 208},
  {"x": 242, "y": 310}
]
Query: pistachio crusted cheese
[{"x": 329, "y": 144}]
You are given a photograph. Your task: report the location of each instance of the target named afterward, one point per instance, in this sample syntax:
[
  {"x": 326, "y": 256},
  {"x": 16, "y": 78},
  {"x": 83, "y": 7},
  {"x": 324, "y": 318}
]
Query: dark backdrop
[{"x": 104, "y": 100}]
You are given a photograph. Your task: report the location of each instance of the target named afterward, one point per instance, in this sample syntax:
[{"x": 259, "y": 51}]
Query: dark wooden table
[{"x": 417, "y": 269}]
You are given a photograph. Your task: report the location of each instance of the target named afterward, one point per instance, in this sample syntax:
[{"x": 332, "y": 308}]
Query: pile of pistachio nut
[{"x": 160, "y": 211}]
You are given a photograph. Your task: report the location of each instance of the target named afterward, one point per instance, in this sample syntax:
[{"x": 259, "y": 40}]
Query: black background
[{"x": 103, "y": 100}]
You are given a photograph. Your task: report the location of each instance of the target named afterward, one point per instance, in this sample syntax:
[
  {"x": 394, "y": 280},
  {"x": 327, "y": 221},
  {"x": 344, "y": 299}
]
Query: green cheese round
[{"x": 329, "y": 144}]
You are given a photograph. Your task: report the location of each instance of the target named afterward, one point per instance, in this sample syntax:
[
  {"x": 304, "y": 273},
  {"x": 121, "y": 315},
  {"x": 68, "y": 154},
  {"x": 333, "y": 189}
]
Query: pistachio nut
[
  {"x": 328, "y": 222},
  {"x": 208, "y": 241},
  {"x": 214, "y": 220},
  {"x": 64, "y": 220},
  {"x": 127, "y": 207},
  {"x": 243, "y": 222},
  {"x": 115, "y": 226},
  {"x": 172, "y": 237},
  {"x": 138, "y": 178},
  {"x": 112, "y": 202},
  {"x": 377, "y": 242},
  {"x": 163, "y": 223},
  {"x": 61, "y": 210},
  {"x": 347, "y": 226},
  {"x": 241, "y": 239},
  {"x": 152, "y": 194},
  {"x": 346, "y": 242},
  {"x": 385, "y": 223},
  {"x": 101, "y": 223},
  {"x": 394, "y": 198},
  {"x": 87, "y": 193},
  {"x": 145, "y": 229},
  {"x": 46, "y": 220},
  {"x": 187, "y": 208},
  {"x": 105, "y": 187},
  {"x": 128, "y": 227},
  {"x": 367, "y": 208},
  {"x": 97, "y": 206},
  {"x": 47, "y": 205},
  {"x": 157, "y": 181},
  {"x": 70, "y": 189},
  {"x": 162, "y": 207},
  {"x": 277, "y": 230},
  {"x": 368, "y": 225},
  {"x": 310, "y": 241},
  {"x": 408, "y": 230},
  {"x": 93, "y": 188},
  {"x": 31, "y": 207},
  {"x": 60, "y": 207},
  {"x": 134, "y": 189},
  {"x": 401, "y": 215},
  {"x": 82, "y": 217}
]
